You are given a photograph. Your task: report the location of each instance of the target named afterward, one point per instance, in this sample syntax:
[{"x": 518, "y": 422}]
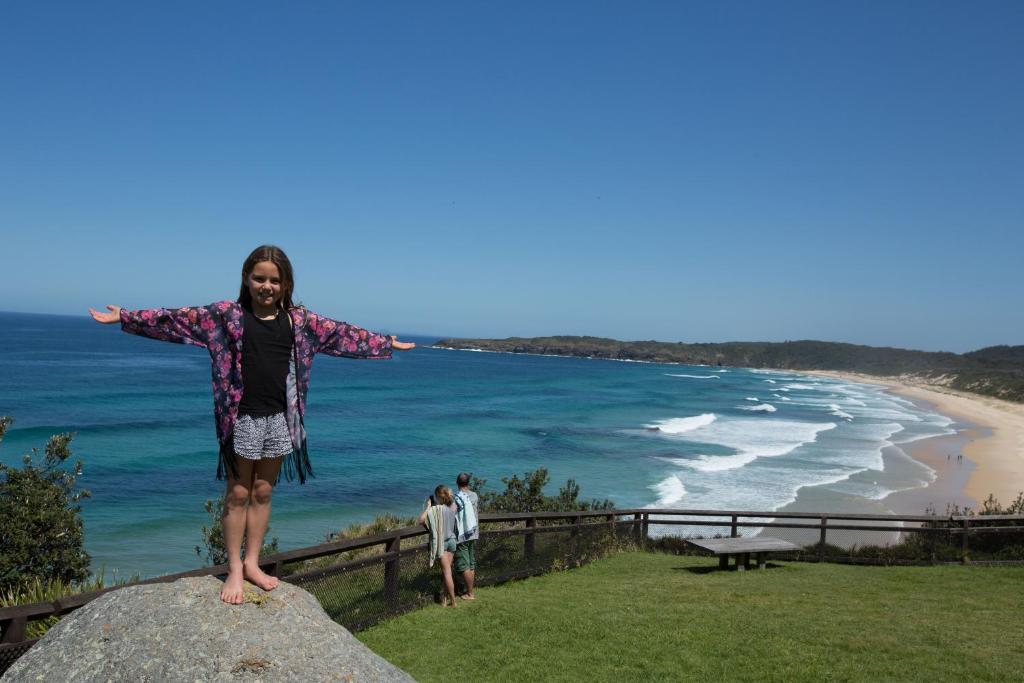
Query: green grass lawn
[{"x": 645, "y": 616}]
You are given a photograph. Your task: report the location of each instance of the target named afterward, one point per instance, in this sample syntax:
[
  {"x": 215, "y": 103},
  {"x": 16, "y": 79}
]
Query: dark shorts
[{"x": 465, "y": 556}]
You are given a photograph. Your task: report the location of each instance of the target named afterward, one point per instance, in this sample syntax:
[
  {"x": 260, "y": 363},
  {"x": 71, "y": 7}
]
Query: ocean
[{"x": 382, "y": 434}]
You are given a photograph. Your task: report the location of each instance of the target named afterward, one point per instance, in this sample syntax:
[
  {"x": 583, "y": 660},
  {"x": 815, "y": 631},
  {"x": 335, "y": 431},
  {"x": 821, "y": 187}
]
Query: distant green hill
[{"x": 994, "y": 371}]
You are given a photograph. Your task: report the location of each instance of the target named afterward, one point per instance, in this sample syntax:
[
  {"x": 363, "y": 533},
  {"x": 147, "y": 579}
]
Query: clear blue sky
[{"x": 677, "y": 171}]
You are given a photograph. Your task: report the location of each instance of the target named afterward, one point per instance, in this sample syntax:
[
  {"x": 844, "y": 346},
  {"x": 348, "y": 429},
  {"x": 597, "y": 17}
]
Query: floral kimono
[{"x": 218, "y": 329}]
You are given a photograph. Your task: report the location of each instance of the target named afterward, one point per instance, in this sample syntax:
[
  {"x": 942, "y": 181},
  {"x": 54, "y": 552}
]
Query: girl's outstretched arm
[
  {"x": 113, "y": 315},
  {"x": 337, "y": 338},
  {"x": 179, "y": 325}
]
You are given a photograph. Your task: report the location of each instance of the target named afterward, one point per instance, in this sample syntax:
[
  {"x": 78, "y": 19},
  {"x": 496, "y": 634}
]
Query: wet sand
[
  {"x": 985, "y": 456},
  {"x": 994, "y": 439}
]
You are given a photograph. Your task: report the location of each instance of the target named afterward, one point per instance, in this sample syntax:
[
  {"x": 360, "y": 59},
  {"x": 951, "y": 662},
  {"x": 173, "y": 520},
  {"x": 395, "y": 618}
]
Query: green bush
[
  {"x": 41, "y": 536},
  {"x": 527, "y": 495},
  {"x": 213, "y": 536}
]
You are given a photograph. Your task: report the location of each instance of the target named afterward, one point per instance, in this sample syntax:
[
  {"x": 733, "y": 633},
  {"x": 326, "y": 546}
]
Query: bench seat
[{"x": 742, "y": 549}]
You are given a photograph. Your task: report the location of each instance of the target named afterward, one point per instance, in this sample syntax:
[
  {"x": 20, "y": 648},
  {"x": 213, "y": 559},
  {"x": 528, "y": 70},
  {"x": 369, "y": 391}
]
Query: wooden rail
[{"x": 14, "y": 620}]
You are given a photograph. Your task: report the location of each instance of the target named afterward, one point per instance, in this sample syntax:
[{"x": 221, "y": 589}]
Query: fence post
[
  {"x": 637, "y": 527},
  {"x": 821, "y": 538},
  {"x": 531, "y": 524},
  {"x": 965, "y": 556},
  {"x": 15, "y": 630},
  {"x": 645, "y": 526},
  {"x": 391, "y": 572},
  {"x": 576, "y": 526},
  {"x": 734, "y": 531}
]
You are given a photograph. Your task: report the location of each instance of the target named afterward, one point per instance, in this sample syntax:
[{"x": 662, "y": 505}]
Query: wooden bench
[{"x": 742, "y": 548}]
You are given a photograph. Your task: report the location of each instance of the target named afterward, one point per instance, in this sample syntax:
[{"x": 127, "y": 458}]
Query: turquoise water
[{"x": 383, "y": 434}]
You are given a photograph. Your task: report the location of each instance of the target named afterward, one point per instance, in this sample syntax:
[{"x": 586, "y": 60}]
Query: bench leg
[
  {"x": 723, "y": 561},
  {"x": 741, "y": 561},
  {"x": 760, "y": 561}
]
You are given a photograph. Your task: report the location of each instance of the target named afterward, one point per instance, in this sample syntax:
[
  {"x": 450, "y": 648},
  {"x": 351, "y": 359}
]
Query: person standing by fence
[
  {"x": 439, "y": 516},
  {"x": 468, "y": 503}
]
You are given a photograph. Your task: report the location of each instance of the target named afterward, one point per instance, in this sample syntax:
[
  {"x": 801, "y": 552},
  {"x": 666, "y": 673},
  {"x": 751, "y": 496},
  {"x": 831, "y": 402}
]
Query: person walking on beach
[
  {"x": 259, "y": 396},
  {"x": 439, "y": 517},
  {"x": 468, "y": 504}
]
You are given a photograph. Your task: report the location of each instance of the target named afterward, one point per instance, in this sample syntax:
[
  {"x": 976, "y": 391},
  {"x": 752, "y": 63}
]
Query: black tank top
[{"x": 266, "y": 350}]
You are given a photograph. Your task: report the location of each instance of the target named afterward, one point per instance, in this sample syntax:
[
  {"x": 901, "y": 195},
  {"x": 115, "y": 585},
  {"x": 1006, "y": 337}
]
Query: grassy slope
[{"x": 640, "y": 616}]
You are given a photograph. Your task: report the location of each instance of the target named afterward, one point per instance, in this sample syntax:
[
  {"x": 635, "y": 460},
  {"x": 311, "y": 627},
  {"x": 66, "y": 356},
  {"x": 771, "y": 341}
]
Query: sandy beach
[{"x": 991, "y": 439}]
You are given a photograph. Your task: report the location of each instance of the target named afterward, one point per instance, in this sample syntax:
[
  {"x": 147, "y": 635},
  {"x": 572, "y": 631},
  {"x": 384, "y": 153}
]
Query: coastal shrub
[
  {"x": 379, "y": 525},
  {"x": 213, "y": 536},
  {"x": 527, "y": 495},
  {"x": 995, "y": 546},
  {"x": 41, "y": 537}
]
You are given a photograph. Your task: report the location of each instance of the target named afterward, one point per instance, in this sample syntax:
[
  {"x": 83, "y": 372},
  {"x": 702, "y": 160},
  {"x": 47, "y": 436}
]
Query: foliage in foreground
[
  {"x": 213, "y": 536},
  {"x": 527, "y": 495},
  {"x": 41, "y": 537},
  {"x": 646, "y": 616}
]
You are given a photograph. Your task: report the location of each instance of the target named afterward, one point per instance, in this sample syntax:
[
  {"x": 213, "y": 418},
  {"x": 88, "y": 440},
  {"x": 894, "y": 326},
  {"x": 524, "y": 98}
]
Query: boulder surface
[{"x": 181, "y": 631}]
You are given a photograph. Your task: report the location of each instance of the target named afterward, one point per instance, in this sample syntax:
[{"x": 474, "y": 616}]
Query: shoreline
[{"x": 990, "y": 435}]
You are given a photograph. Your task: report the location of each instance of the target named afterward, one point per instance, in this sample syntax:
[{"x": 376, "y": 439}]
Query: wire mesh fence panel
[
  {"x": 552, "y": 550},
  {"x": 498, "y": 556},
  {"x": 702, "y": 527},
  {"x": 674, "y": 538},
  {"x": 418, "y": 582},
  {"x": 9, "y": 653},
  {"x": 351, "y": 596}
]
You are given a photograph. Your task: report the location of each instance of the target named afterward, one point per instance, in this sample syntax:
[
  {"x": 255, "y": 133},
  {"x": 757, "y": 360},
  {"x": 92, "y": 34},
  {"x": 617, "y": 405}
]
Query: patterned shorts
[{"x": 262, "y": 437}]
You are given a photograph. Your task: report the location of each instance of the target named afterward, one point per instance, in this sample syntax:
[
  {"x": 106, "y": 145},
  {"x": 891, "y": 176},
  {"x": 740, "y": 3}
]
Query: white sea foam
[
  {"x": 753, "y": 398},
  {"x": 749, "y": 438},
  {"x": 670, "y": 490},
  {"x": 721, "y": 370},
  {"x": 838, "y": 412},
  {"x": 669, "y": 374},
  {"x": 770, "y": 381},
  {"x": 681, "y": 425},
  {"x": 714, "y": 455},
  {"x": 760, "y": 408}
]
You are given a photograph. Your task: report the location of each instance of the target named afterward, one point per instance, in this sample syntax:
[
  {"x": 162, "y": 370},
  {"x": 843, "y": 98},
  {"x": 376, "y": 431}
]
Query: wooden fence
[{"x": 361, "y": 581}]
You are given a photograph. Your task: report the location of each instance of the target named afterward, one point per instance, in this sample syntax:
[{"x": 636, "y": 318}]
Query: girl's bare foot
[
  {"x": 468, "y": 596},
  {"x": 233, "y": 592},
  {"x": 258, "y": 577}
]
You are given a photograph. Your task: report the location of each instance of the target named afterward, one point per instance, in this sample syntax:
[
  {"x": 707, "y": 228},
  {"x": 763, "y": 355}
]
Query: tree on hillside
[
  {"x": 41, "y": 536},
  {"x": 527, "y": 495}
]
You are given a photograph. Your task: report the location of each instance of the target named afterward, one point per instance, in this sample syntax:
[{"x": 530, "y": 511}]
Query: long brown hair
[
  {"x": 275, "y": 255},
  {"x": 443, "y": 494}
]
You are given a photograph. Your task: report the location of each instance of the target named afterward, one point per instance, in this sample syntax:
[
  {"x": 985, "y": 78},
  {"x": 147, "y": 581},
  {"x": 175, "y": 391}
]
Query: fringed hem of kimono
[{"x": 295, "y": 463}]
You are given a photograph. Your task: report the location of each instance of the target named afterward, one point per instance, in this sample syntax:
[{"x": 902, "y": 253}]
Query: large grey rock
[{"x": 181, "y": 631}]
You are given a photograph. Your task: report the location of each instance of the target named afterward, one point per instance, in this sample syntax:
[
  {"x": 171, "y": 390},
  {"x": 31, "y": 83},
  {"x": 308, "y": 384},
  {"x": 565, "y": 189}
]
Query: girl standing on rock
[{"x": 259, "y": 420}]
